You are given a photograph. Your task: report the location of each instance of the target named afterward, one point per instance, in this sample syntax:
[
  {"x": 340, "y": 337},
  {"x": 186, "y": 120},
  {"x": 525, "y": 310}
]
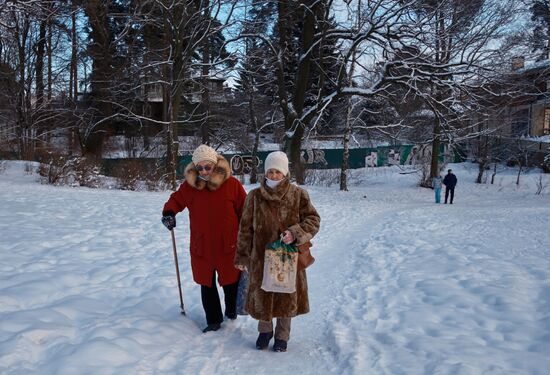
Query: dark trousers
[
  {"x": 211, "y": 301},
  {"x": 452, "y": 191}
]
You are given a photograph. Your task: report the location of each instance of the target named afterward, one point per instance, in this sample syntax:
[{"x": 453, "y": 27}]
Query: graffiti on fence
[
  {"x": 242, "y": 164},
  {"x": 371, "y": 160},
  {"x": 314, "y": 156},
  {"x": 394, "y": 157}
]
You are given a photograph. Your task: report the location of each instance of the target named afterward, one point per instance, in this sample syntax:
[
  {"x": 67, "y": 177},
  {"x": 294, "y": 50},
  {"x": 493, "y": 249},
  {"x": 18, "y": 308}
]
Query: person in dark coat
[
  {"x": 258, "y": 227},
  {"x": 450, "y": 182},
  {"x": 215, "y": 201}
]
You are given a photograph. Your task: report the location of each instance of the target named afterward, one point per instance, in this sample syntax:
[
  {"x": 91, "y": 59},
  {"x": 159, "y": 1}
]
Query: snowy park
[{"x": 401, "y": 285}]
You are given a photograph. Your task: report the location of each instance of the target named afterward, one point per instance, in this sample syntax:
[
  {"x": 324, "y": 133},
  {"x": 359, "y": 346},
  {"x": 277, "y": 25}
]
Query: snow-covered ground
[
  {"x": 401, "y": 285},
  {"x": 544, "y": 138}
]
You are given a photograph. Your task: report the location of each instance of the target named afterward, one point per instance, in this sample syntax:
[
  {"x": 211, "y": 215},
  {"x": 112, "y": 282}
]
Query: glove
[{"x": 169, "y": 220}]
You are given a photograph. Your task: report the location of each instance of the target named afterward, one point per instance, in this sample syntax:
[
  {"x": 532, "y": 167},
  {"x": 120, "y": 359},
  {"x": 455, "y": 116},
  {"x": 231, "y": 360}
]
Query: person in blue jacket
[
  {"x": 436, "y": 184},
  {"x": 450, "y": 182}
]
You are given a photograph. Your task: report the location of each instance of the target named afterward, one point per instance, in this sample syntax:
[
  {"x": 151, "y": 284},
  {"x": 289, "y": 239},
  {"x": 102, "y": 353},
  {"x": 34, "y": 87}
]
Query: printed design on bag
[
  {"x": 284, "y": 264},
  {"x": 287, "y": 250}
]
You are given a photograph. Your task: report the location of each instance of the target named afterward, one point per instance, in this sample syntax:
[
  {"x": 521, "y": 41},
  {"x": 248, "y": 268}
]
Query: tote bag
[{"x": 280, "y": 267}]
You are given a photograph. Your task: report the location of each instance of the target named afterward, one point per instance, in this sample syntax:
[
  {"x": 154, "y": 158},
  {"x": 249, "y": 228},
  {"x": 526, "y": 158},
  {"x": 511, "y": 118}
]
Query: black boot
[
  {"x": 263, "y": 340},
  {"x": 212, "y": 327},
  {"x": 279, "y": 345}
]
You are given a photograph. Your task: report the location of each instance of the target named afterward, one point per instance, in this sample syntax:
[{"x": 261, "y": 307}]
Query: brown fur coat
[{"x": 258, "y": 227}]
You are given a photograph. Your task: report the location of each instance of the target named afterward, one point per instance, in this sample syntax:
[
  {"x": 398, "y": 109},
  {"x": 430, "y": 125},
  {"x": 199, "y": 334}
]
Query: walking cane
[{"x": 177, "y": 269}]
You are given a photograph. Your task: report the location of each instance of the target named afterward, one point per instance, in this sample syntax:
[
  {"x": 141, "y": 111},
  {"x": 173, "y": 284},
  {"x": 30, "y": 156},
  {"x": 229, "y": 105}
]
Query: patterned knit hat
[
  {"x": 205, "y": 153},
  {"x": 277, "y": 160}
]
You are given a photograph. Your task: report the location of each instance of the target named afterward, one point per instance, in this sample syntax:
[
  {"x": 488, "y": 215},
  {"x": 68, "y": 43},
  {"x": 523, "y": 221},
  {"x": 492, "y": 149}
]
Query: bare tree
[
  {"x": 148, "y": 49},
  {"x": 32, "y": 50},
  {"x": 437, "y": 50},
  {"x": 256, "y": 82},
  {"x": 465, "y": 40},
  {"x": 187, "y": 26}
]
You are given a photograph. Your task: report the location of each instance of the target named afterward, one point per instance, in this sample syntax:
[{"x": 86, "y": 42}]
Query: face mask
[{"x": 271, "y": 183}]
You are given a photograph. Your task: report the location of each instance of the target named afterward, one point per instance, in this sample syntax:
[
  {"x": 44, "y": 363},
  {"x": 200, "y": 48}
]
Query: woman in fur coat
[
  {"x": 259, "y": 227},
  {"x": 215, "y": 202}
]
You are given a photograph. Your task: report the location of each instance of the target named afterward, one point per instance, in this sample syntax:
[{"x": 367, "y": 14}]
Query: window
[
  {"x": 546, "y": 124},
  {"x": 520, "y": 122}
]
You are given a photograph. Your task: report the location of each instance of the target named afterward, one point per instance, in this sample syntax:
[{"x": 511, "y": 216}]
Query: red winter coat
[{"x": 215, "y": 209}]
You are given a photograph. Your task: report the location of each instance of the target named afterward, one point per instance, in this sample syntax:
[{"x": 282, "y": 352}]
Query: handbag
[
  {"x": 242, "y": 291},
  {"x": 305, "y": 259}
]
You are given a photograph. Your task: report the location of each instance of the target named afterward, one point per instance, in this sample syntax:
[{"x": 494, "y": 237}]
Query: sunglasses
[{"x": 199, "y": 168}]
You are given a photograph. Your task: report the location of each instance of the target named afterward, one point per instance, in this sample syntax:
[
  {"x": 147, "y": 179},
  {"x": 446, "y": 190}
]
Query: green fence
[{"x": 314, "y": 158}]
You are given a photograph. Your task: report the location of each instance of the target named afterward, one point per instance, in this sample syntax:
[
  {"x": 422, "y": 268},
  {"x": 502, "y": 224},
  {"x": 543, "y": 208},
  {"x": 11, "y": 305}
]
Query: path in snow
[{"x": 429, "y": 283}]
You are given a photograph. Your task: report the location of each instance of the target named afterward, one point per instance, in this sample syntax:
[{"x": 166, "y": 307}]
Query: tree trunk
[
  {"x": 102, "y": 54},
  {"x": 50, "y": 61},
  {"x": 22, "y": 106},
  {"x": 73, "y": 82},
  {"x": 40, "y": 47},
  {"x": 294, "y": 150},
  {"x": 345, "y": 143},
  {"x": 434, "y": 165},
  {"x": 256, "y": 131},
  {"x": 168, "y": 115},
  {"x": 254, "y": 168},
  {"x": 345, "y": 157},
  {"x": 480, "y": 171},
  {"x": 39, "y": 75},
  {"x": 171, "y": 136},
  {"x": 302, "y": 82},
  {"x": 205, "y": 95},
  {"x": 348, "y": 130}
]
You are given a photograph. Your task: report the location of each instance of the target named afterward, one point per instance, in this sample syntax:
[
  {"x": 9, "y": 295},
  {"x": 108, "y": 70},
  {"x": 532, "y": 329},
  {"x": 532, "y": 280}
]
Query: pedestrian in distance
[
  {"x": 215, "y": 201},
  {"x": 449, "y": 181},
  {"x": 274, "y": 205},
  {"x": 436, "y": 184}
]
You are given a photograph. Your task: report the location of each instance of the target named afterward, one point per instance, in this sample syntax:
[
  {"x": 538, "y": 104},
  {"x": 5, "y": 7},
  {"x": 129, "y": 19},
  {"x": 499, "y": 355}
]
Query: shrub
[
  {"x": 59, "y": 169},
  {"x": 322, "y": 177},
  {"x": 135, "y": 174},
  {"x": 128, "y": 173}
]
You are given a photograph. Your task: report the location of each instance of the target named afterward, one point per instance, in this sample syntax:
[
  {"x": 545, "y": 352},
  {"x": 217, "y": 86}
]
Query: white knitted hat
[
  {"x": 205, "y": 153},
  {"x": 277, "y": 160}
]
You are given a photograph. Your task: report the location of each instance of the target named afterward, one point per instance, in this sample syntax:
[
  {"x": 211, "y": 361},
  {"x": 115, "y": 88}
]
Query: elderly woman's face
[
  {"x": 205, "y": 168},
  {"x": 274, "y": 174}
]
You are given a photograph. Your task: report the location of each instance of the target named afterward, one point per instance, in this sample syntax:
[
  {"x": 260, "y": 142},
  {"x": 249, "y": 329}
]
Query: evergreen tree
[
  {"x": 256, "y": 81},
  {"x": 540, "y": 14}
]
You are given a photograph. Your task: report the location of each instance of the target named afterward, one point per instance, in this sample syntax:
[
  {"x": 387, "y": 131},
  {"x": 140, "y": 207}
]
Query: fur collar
[
  {"x": 222, "y": 171},
  {"x": 277, "y": 194}
]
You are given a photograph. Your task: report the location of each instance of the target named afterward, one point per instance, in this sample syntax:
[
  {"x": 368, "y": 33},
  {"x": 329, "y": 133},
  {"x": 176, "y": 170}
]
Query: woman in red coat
[{"x": 215, "y": 202}]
